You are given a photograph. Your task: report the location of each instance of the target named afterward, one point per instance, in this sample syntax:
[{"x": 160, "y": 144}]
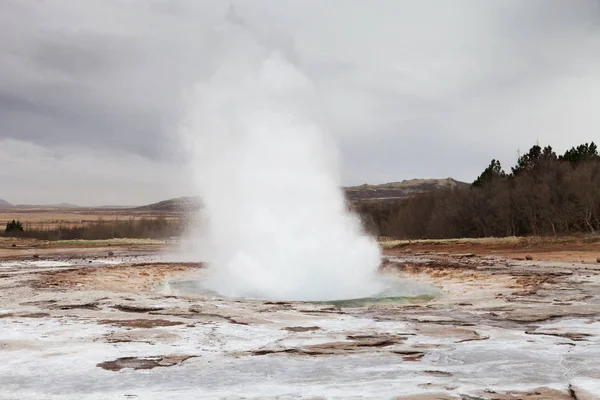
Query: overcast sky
[{"x": 91, "y": 91}]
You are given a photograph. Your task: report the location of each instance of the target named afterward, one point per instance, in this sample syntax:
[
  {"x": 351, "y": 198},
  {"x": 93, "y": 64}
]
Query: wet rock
[
  {"x": 40, "y": 303},
  {"x": 110, "y": 254},
  {"x": 528, "y": 257},
  {"x": 466, "y": 255},
  {"x": 139, "y": 323},
  {"x": 598, "y": 260},
  {"x": 432, "y": 318},
  {"x": 575, "y": 336},
  {"x": 26, "y": 315},
  {"x": 458, "y": 334},
  {"x": 34, "y": 315},
  {"x": 536, "y": 394},
  {"x": 326, "y": 310},
  {"x": 438, "y": 373},
  {"x": 475, "y": 338},
  {"x": 265, "y": 352},
  {"x": 428, "y": 396},
  {"x": 579, "y": 394},
  {"x": 196, "y": 312},
  {"x": 542, "y": 313},
  {"x": 149, "y": 336},
  {"x": 396, "y": 339},
  {"x": 36, "y": 256},
  {"x": 359, "y": 345},
  {"x": 301, "y": 328},
  {"x": 83, "y": 306},
  {"x": 277, "y": 303},
  {"x": 410, "y": 355},
  {"x": 136, "y": 308},
  {"x": 335, "y": 347},
  {"x": 138, "y": 363}
]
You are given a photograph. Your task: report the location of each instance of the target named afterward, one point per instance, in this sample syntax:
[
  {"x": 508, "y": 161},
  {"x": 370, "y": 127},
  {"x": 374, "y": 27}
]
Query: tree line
[
  {"x": 152, "y": 228},
  {"x": 544, "y": 194}
]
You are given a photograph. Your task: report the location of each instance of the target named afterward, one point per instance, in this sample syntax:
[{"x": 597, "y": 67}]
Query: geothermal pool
[{"x": 391, "y": 289}]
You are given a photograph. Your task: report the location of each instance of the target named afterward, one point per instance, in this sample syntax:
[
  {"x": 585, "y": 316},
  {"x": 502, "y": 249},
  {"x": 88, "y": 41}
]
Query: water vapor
[{"x": 275, "y": 224}]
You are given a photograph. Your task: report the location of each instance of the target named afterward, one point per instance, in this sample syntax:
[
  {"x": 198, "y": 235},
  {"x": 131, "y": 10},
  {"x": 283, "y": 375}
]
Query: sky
[{"x": 92, "y": 93}]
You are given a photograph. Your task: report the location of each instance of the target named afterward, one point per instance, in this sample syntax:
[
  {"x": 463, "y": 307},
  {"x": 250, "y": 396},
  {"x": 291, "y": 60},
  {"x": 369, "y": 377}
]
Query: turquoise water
[
  {"x": 396, "y": 290},
  {"x": 367, "y": 301}
]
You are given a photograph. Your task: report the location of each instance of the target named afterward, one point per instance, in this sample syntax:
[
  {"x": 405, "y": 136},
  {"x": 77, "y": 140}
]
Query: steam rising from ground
[{"x": 274, "y": 224}]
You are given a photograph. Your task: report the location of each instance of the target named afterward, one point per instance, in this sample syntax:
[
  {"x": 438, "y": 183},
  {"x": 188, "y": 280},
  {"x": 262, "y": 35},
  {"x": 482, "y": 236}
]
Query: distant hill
[
  {"x": 399, "y": 190},
  {"x": 386, "y": 191},
  {"x": 4, "y": 203},
  {"x": 63, "y": 205},
  {"x": 186, "y": 204},
  {"x": 111, "y": 207}
]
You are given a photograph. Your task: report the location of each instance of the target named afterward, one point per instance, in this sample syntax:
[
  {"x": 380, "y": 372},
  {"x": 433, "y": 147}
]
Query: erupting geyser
[{"x": 275, "y": 225}]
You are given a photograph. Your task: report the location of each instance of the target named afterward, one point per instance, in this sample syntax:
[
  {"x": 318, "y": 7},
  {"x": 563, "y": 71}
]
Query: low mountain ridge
[
  {"x": 386, "y": 191},
  {"x": 60, "y": 205},
  {"x": 4, "y": 203},
  {"x": 186, "y": 204},
  {"x": 400, "y": 190}
]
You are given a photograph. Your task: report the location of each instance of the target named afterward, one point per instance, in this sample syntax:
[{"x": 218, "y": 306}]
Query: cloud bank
[{"x": 92, "y": 93}]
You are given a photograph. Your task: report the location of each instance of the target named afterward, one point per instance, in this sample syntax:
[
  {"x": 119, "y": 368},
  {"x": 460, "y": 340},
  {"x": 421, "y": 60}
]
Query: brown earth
[
  {"x": 24, "y": 248},
  {"x": 131, "y": 278},
  {"x": 573, "y": 249}
]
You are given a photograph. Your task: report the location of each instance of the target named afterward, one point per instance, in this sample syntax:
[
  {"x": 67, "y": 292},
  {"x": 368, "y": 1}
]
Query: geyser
[{"x": 274, "y": 223}]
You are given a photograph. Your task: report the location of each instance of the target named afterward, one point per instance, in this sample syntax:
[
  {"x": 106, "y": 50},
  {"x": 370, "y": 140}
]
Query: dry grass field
[
  {"x": 50, "y": 218},
  {"x": 94, "y": 224}
]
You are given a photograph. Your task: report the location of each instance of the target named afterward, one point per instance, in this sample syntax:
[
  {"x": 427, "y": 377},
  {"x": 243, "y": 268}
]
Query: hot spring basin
[{"x": 395, "y": 290}]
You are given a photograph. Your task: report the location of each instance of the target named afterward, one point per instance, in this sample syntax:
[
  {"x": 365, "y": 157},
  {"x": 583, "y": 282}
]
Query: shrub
[{"x": 14, "y": 226}]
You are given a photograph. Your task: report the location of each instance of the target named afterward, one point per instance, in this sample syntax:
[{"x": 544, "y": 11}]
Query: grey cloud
[
  {"x": 86, "y": 55},
  {"x": 84, "y": 176},
  {"x": 110, "y": 85},
  {"x": 410, "y": 88}
]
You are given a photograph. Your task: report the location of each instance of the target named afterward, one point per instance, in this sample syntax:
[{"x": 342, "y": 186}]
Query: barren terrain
[
  {"x": 515, "y": 319},
  {"x": 574, "y": 249}
]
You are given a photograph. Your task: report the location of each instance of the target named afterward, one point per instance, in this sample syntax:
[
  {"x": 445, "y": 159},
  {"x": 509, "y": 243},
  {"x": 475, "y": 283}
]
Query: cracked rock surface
[{"x": 502, "y": 329}]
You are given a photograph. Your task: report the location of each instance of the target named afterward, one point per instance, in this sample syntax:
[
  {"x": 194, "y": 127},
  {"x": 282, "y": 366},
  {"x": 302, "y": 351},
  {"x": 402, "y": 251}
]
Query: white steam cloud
[{"x": 275, "y": 224}]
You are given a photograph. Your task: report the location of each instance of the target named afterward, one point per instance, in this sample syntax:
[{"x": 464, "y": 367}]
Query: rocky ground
[{"x": 86, "y": 324}]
